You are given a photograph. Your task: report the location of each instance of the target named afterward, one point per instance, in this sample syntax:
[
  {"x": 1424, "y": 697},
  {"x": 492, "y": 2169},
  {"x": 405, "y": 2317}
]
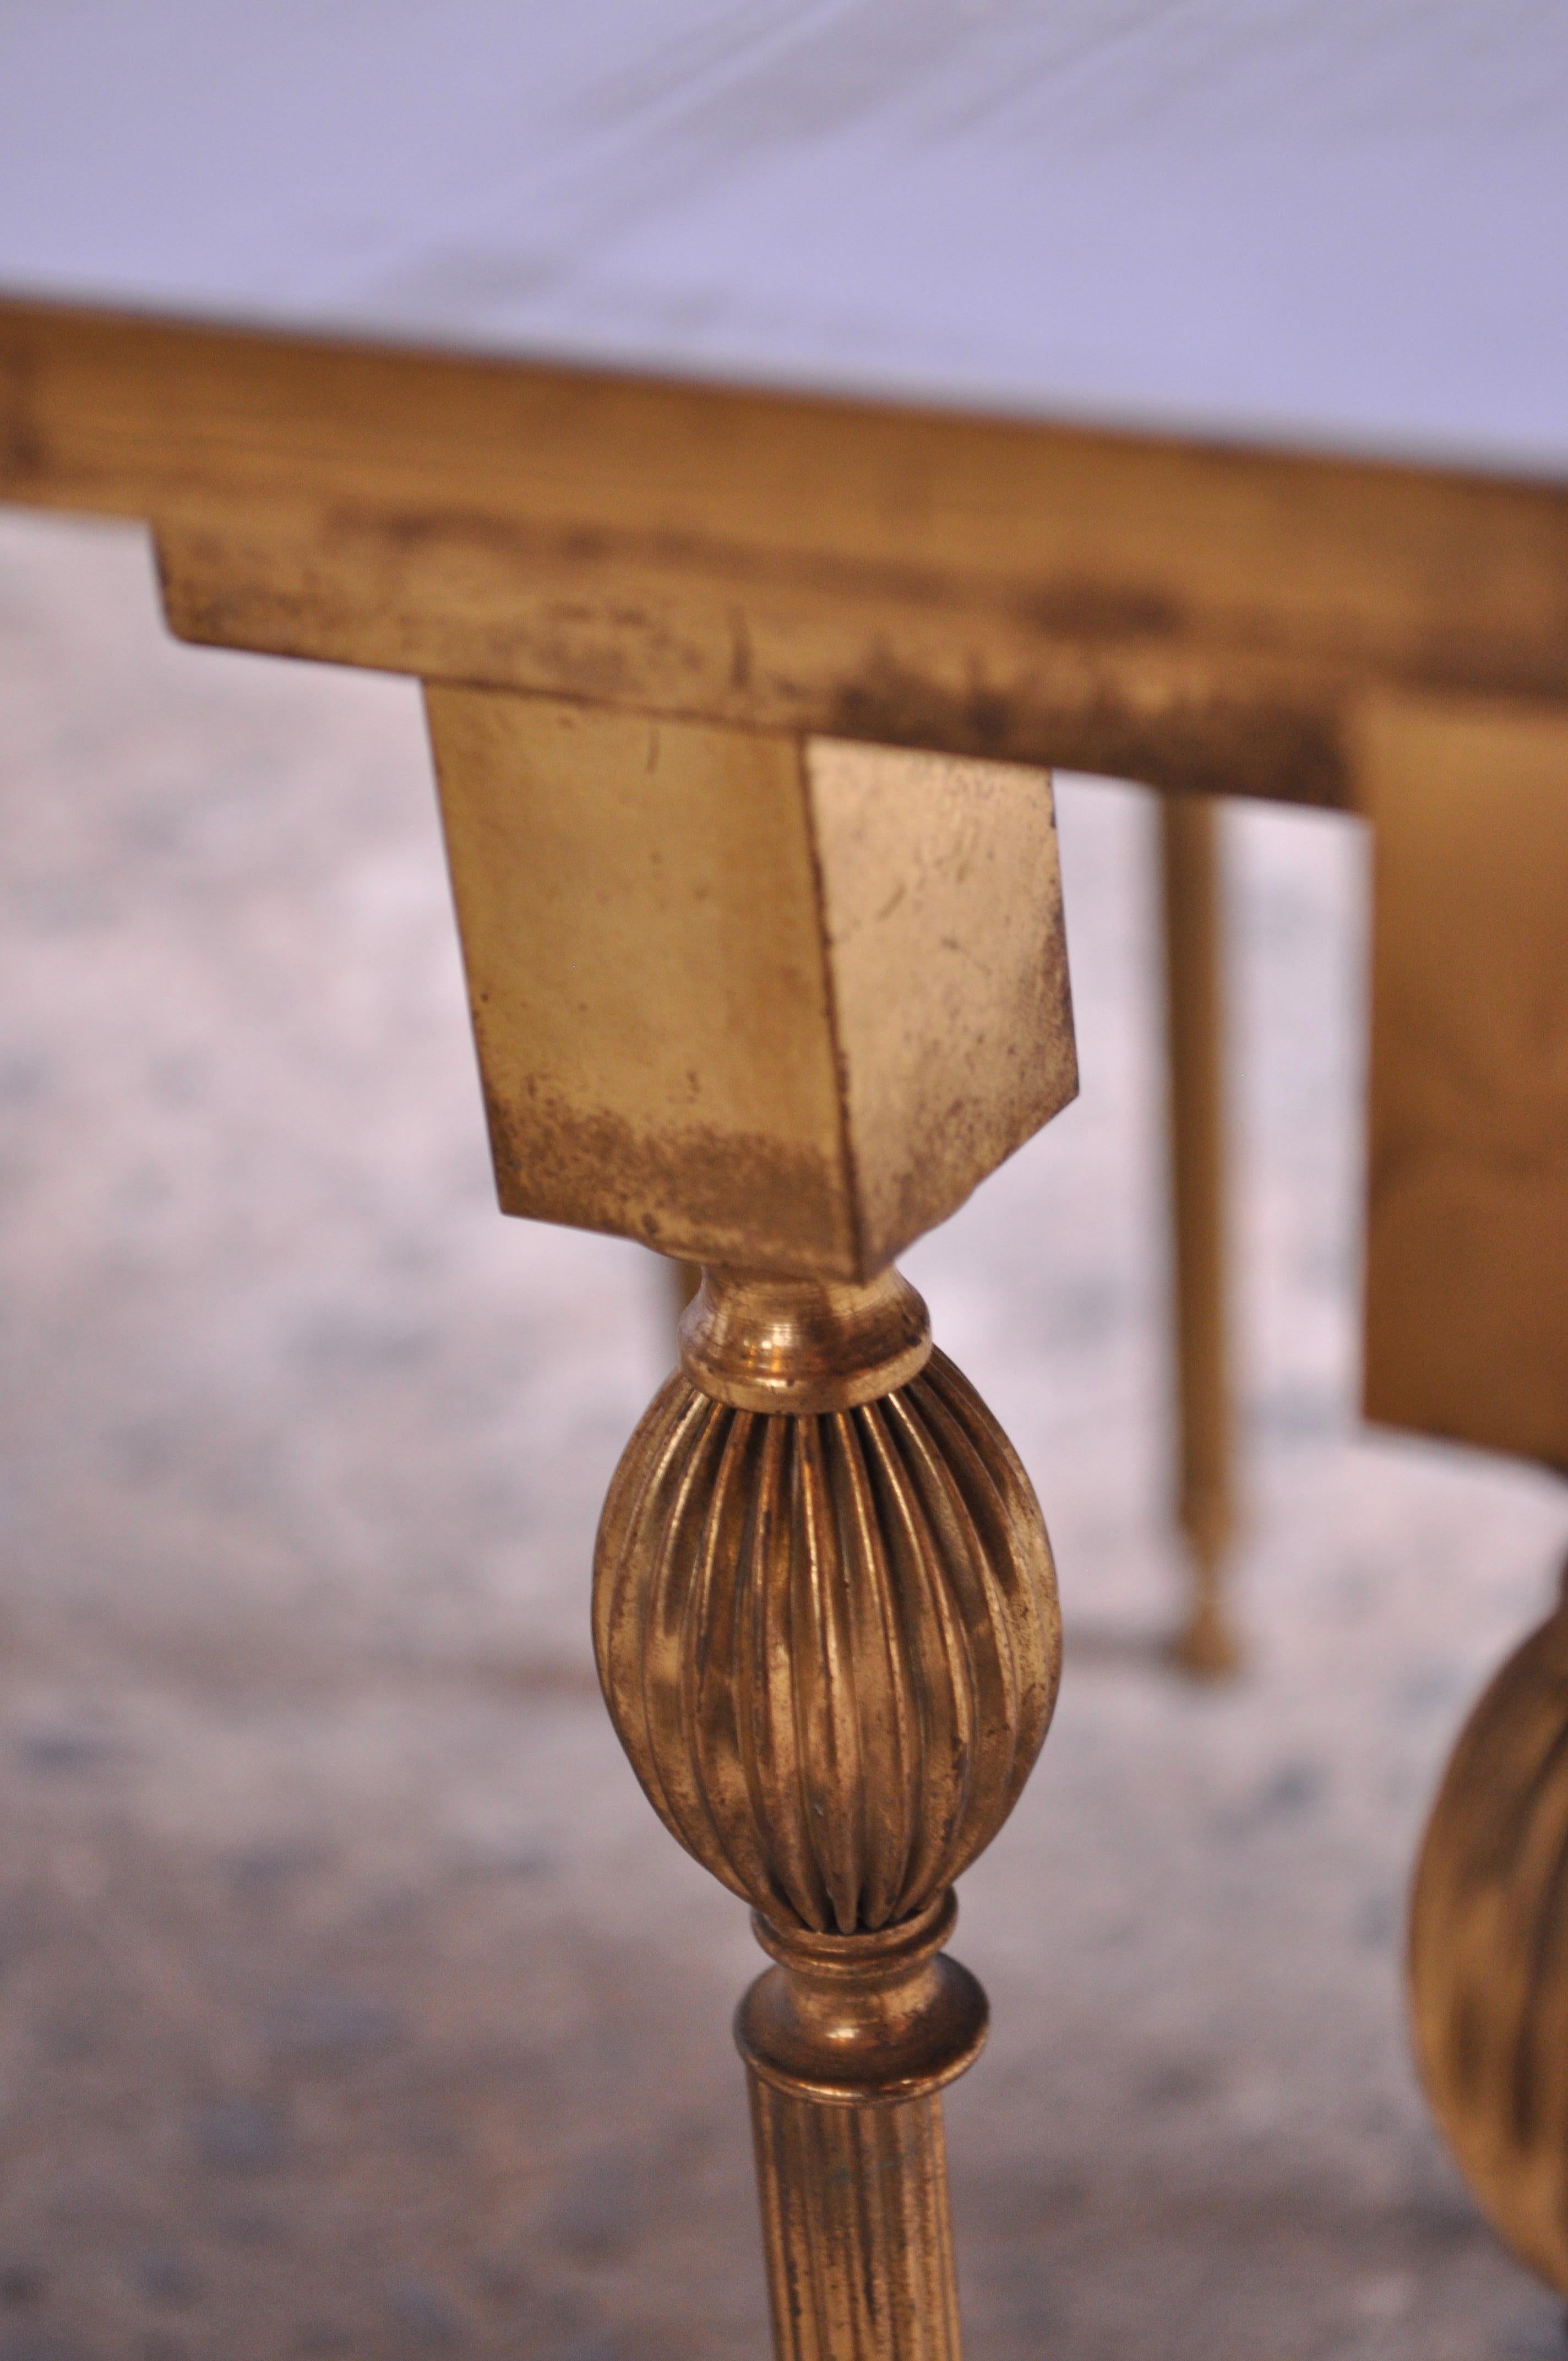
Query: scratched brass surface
[
  {"x": 830, "y": 1645},
  {"x": 750, "y": 1002}
]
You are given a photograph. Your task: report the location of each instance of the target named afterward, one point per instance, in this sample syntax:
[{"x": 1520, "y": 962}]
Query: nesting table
[{"x": 776, "y": 434}]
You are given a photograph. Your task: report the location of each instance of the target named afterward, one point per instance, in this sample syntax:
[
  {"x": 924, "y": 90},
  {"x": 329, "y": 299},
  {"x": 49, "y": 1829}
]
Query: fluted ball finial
[{"x": 825, "y": 1609}]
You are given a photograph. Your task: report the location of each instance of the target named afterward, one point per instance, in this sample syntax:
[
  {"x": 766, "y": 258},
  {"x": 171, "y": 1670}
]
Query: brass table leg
[
  {"x": 826, "y": 1624},
  {"x": 776, "y": 1008},
  {"x": 1207, "y": 1644}
]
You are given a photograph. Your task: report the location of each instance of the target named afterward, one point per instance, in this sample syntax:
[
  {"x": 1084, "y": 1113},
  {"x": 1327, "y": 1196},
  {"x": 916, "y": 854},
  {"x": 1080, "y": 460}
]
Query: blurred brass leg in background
[{"x": 1207, "y": 1644}]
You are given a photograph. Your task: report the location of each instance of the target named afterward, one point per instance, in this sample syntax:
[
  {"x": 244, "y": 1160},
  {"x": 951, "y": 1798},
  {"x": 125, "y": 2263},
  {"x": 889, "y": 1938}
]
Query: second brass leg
[
  {"x": 1206, "y": 1644},
  {"x": 856, "y": 2229}
]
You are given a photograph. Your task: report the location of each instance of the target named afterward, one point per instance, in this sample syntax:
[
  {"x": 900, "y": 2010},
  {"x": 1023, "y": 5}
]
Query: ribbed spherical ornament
[
  {"x": 829, "y": 1641},
  {"x": 1489, "y": 1953}
]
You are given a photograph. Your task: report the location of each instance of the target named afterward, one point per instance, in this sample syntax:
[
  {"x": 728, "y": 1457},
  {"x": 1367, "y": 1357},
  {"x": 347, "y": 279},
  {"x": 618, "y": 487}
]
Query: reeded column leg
[
  {"x": 854, "y": 2193},
  {"x": 1195, "y": 1028},
  {"x": 826, "y": 1625}
]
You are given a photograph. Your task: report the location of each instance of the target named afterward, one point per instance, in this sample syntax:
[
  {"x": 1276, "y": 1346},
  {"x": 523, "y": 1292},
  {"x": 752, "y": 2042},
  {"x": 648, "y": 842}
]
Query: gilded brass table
[{"x": 775, "y": 436}]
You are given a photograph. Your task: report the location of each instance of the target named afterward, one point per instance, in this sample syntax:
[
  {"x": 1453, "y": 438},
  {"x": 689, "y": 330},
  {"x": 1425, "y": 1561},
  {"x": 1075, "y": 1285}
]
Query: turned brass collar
[
  {"x": 863, "y": 2020},
  {"x": 883, "y": 1954},
  {"x": 803, "y": 1345}
]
